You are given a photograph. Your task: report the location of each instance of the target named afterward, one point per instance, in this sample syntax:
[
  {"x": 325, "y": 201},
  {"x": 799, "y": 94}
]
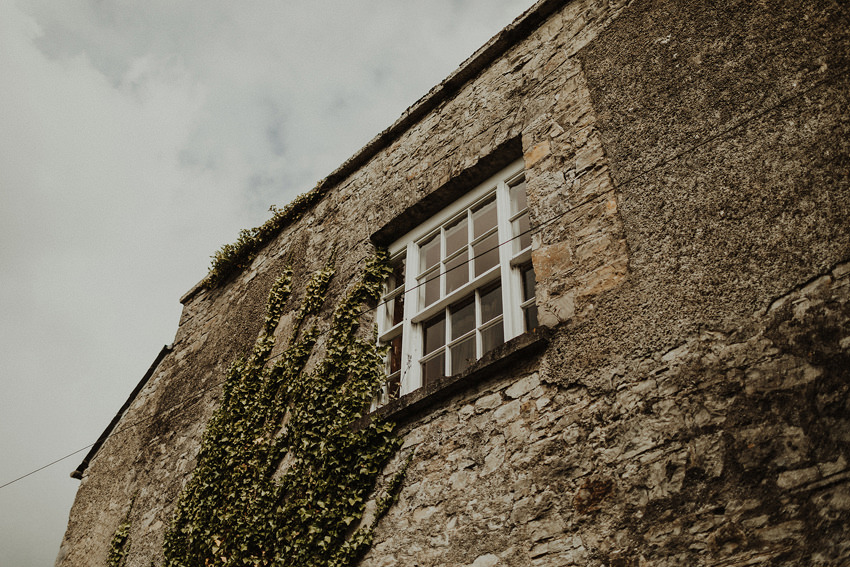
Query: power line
[{"x": 68, "y": 456}]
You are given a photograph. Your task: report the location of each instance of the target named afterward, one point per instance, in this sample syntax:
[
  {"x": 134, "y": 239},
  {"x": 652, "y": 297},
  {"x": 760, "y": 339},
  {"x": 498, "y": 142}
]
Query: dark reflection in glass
[
  {"x": 530, "y": 317},
  {"x": 435, "y": 333},
  {"x": 462, "y": 317},
  {"x": 492, "y": 336},
  {"x": 528, "y": 281},
  {"x": 396, "y": 278},
  {"x": 434, "y": 369},
  {"x": 395, "y": 354},
  {"x": 393, "y": 387},
  {"x": 463, "y": 354},
  {"x": 491, "y": 303},
  {"x": 396, "y": 307}
]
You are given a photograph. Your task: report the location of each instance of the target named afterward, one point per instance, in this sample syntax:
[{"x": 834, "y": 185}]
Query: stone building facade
[{"x": 683, "y": 397}]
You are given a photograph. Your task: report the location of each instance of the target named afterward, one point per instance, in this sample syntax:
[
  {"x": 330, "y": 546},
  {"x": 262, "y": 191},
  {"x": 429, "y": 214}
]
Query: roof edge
[
  {"x": 509, "y": 36},
  {"x": 78, "y": 473}
]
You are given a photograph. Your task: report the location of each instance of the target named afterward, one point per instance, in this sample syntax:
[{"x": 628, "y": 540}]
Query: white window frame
[{"x": 507, "y": 270}]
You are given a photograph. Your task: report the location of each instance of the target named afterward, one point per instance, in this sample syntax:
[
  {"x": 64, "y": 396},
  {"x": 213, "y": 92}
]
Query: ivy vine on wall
[
  {"x": 119, "y": 546},
  {"x": 282, "y": 476},
  {"x": 231, "y": 258}
]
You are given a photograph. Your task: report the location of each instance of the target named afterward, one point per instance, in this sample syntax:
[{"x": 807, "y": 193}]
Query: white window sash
[{"x": 507, "y": 271}]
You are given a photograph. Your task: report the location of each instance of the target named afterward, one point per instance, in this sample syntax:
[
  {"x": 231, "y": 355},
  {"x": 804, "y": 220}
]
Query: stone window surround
[
  {"x": 513, "y": 350},
  {"x": 408, "y": 333}
]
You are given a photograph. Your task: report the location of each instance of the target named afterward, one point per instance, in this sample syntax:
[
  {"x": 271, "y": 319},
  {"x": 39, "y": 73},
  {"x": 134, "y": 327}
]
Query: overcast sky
[{"x": 136, "y": 137}]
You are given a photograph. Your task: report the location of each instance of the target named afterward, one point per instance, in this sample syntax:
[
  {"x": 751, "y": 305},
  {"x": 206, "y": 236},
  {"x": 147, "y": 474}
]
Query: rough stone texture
[
  {"x": 687, "y": 170},
  {"x": 730, "y": 449}
]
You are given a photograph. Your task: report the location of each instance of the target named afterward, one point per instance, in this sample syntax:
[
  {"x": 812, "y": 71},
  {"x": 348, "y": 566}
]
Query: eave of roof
[
  {"x": 78, "y": 473},
  {"x": 515, "y": 32}
]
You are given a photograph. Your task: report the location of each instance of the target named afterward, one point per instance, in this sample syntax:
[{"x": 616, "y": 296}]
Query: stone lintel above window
[{"x": 447, "y": 193}]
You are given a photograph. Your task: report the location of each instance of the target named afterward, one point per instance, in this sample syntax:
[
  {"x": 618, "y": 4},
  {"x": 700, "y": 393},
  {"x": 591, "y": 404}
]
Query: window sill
[{"x": 404, "y": 407}]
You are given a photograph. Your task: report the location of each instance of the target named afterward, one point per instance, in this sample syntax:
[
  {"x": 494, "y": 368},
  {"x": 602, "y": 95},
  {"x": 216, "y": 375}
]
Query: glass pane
[
  {"x": 462, "y": 317},
  {"x": 435, "y": 333},
  {"x": 463, "y": 354},
  {"x": 484, "y": 217},
  {"x": 457, "y": 271},
  {"x": 521, "y": 230},
  {"x": 395, "y": 355},
  {"x": 530, "y": 316},
  {"x": 456, "y": 236},
  {"x": 492, "y": 336},
  {"x": 491, "y": 303},
  {"x": 395, "y": 309},
  {"x": 393, "y": 386},
  {"x": 486, "y": 254},
  {"x": 396, "y": 278},
  {"x": 429, "y": 253},
  {"x": 518, "y": 200},
  {"x": 528, "y": 281},
  {"x": 434, "y": 369},
  {"x": 429, "y": 288}
]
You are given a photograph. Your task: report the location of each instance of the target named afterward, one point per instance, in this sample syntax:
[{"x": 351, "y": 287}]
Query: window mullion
[
  {"x": 479, "y": 342},
  {"x": 441, "y": 269},
  {"x": 447, "y": 354},
  {"x": 506, "y": 246},
  {"x": 470, "y": 273},
  {"x": 411, "y": 342}
]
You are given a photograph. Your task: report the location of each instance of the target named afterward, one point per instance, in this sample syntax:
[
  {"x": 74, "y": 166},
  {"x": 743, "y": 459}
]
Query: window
[{"x": 462, "y": 283}]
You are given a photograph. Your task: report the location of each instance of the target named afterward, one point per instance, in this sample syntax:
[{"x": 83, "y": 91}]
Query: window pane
[
  {"x": 429, "y": 253},
  {"x": 429, "y": 288},
  {"x": 486, "y": 254},
  {"x": 521, "y": 230},
  {"x": 530, "y": 317},
  {"x": 518, "y": 200},
  {"x": 484, "y": 218},
  {"x": 492, "y": 336},
  {"x": 395, "y": 310},
  {"x": 463, "y": 354},
  {"x": 528, "y": 281},
  {"x": 457, "y": 271},
  {"x": 491, "y": 303},
  {"x": 433, "y": 369},
  {"x": 395, "y": 355},
  {"x": 462, "y": 317},
  {"x": 435, "y": 333},
  {"x": 393, "y": 387},
  {"x": 396, "y": 278},
  {"x": 456, "y": 236}
]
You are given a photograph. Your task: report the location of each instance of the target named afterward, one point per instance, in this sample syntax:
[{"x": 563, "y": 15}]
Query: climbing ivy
[
  {"x": 119, "y": 547},
  {"x": 231, "y": 258},
  {"x": 282, "y": 476}
]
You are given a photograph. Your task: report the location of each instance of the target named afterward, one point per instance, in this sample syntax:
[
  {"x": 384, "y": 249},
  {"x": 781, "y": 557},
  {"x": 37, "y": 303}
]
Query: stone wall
[
  {"x": 730, "y": 449},
  {"x": 687, "y": 169}
]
